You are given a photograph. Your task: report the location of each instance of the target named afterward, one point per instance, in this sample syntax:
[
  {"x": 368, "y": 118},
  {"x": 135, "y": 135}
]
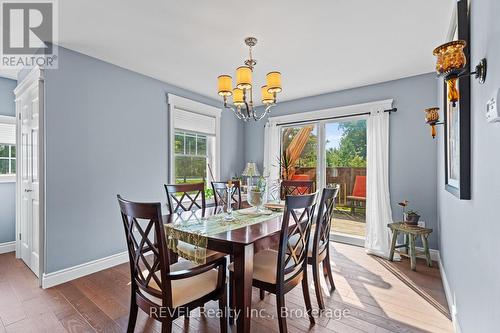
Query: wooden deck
[
  {"x": 348, "y": 227},
  {"x": 371, "y": 298}
]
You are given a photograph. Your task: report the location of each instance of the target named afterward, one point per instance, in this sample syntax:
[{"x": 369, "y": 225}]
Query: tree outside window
[
  {"x": 191, "y": 157},
  {"x": 7, "y": 160}
]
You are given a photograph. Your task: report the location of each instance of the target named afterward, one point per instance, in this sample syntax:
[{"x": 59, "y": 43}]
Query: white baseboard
[
  {"x": 75, "y": 272},
  {"x": 7, "y": 247},
  {"x": 449, "y": 297},
  {"x": 434, "y": 253}
]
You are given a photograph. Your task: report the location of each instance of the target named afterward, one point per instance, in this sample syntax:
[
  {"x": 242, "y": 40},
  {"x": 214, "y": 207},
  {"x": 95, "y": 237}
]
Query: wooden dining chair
[
  {"x": 319, "y": 242},
  {"x": 163, "y": 290},
  {"x": 296, "y": 187},
  {"x": 220, "y": 194},
  {"x": 278, "y": 272},
  {"x": 185, "y": 197}
]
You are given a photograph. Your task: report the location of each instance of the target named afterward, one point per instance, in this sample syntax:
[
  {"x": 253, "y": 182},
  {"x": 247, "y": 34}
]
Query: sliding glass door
[
  {"x": 345, "y": 153},
  {"x": 331, "y": 151},
  {"x": 299, "y": 152}
]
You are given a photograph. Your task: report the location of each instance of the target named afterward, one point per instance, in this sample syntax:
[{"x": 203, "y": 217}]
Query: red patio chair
[{"x": 358, "y": 195}]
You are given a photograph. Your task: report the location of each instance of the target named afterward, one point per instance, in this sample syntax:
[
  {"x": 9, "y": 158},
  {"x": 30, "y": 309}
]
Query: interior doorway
[{"x": 30, "y": 171}]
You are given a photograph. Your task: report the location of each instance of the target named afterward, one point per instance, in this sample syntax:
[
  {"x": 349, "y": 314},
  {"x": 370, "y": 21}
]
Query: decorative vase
[{"x": 256, "y": 197}]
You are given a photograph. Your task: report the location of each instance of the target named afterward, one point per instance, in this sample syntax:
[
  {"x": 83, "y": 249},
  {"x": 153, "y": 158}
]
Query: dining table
[{"x": 241, "y": 242}]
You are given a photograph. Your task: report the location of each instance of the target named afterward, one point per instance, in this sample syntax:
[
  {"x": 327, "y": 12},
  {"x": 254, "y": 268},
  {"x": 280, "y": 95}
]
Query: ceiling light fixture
[{"x": 242, "y": 94}]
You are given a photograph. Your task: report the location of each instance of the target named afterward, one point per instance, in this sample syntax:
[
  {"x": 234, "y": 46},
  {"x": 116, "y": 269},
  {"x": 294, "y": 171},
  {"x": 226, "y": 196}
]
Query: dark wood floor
[{"x": 375, "y": 300}]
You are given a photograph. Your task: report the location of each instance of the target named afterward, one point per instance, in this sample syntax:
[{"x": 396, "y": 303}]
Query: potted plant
[
  {"x": 285, "y": 165},
  {"x": 412, "y": 217}
]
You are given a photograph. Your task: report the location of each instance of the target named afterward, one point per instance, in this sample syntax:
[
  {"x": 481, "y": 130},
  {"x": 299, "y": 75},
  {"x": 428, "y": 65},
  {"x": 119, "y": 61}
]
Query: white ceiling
[{"x": 319, "y": 46}]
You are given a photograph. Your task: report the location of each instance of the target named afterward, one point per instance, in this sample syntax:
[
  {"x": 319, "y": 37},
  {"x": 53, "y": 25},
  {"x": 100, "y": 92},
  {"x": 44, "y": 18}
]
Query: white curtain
[
  {"x": 271, "y": 158},
  {"x": 378, "y": 203}
]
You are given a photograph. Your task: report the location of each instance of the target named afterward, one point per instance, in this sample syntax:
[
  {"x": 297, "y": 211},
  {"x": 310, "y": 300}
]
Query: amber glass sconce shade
[
  {"x": 451, "y": 63},
  {"x": 453, "y": 94},
  {"x": 432, "y": 118},
  {"x": 450, "y": 58}
]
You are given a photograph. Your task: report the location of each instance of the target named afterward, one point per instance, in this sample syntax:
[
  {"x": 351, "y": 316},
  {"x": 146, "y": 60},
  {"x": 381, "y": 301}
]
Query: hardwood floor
[{"x": 373, "y": 299}]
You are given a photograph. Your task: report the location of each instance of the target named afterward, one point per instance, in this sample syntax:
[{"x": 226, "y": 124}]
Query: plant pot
[{"x": 412, "y": 218}]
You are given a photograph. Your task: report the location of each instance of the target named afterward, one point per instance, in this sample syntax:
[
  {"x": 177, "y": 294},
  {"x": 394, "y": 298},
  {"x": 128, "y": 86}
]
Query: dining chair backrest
[
  {"x": 294, "y": 237},
  {"x": 146, "y": 248},
  {"x": 296, "y": 187},
  {"x": 324, "y": 220},
  {"x": 220, "y": 193},
  {"x": 184, "y": 197}
]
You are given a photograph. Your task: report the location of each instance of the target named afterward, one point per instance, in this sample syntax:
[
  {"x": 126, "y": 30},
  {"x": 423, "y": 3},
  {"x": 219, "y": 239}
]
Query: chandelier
[{"x": 242, "y": 105}]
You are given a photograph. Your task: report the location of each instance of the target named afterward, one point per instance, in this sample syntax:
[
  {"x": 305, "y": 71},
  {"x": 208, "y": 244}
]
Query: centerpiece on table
[{"x": 256, "y": 194}]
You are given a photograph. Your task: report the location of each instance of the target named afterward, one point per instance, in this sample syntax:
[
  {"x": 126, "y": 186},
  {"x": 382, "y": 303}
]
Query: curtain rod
[{"x": 338, "y": 117}]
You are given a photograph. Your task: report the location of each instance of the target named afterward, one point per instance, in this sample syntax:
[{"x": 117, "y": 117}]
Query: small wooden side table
[{"x": 411, "y": 233}]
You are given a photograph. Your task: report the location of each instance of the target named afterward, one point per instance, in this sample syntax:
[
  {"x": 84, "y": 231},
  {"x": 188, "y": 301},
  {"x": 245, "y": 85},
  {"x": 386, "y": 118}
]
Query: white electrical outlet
[
  {"x": 421, "y": 224},
  {"x": 492, "y": 109}
]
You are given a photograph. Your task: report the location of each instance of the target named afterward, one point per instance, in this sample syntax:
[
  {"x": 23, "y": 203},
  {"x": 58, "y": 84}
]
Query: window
[
  {"x": 7, "y": 160},
  {"x": 193, "y": 154},
  {"x": 194, "y": 148},
  {"x": 7, "y": 149}
]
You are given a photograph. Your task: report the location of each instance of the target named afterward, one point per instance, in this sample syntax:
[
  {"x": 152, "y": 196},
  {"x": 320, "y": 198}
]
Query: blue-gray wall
[
  {"x": 469, "y": 237},
  {"x": 412, "y": 161},
  {"x": 7, "y": 190},
  {"x": 107, "y": 133}
]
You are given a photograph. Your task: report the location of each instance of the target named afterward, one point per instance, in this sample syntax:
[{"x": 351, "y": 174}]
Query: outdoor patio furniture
[{"x": 357, "y": 199}]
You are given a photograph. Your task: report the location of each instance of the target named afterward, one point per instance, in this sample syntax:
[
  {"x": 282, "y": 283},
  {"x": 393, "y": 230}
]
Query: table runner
[{"x": 195, "y": 231}]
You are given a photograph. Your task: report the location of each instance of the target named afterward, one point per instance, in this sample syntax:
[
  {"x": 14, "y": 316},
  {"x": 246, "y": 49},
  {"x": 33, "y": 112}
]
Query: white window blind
[
  {"x": 194, "y": 122},
  {"x": 7, "y": 133}
]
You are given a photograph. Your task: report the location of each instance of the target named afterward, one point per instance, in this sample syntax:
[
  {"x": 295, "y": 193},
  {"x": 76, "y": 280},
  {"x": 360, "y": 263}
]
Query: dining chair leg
[
  {"x": 232, "y": 297},
  {"x": 280, "y": 307},
  {"x": 223, "y": 309},
  {"x": 262, "y": 294},
  {"x": 327, "y": 271},
  {"x": 132, "y": 317},
  {"x": 307, "y": 297},
  {"x": 166, "y": 327},
  {"x": 317, "y": 285}
]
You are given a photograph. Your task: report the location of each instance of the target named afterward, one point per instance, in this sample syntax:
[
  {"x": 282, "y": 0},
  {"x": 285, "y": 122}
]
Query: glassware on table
[
  {"x": 256, "y": 194},
  {"x": 229, "y": 207}
]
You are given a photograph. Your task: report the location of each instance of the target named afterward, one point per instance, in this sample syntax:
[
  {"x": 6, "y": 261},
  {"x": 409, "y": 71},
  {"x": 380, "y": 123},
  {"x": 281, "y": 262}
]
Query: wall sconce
[
  {"x": 451, "y": 63},
  {"x": 432, "y": 119}
]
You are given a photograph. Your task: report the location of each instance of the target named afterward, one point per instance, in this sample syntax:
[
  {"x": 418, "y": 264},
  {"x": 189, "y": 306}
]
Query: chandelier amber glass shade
[
  {"x": 238, "y": 96},
  {"x": 267, "y": 97},
  {"x": 450, "y": 57},
  {"x": 224, "y": 85},
  {"x": 273, "y": 82},
  {"x": 244, "y": 77}
]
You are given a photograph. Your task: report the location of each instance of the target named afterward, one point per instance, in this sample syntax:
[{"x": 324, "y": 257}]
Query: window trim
[
  {"x": 180, "y": 103},
  {"x": 10, "y": 178}
]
